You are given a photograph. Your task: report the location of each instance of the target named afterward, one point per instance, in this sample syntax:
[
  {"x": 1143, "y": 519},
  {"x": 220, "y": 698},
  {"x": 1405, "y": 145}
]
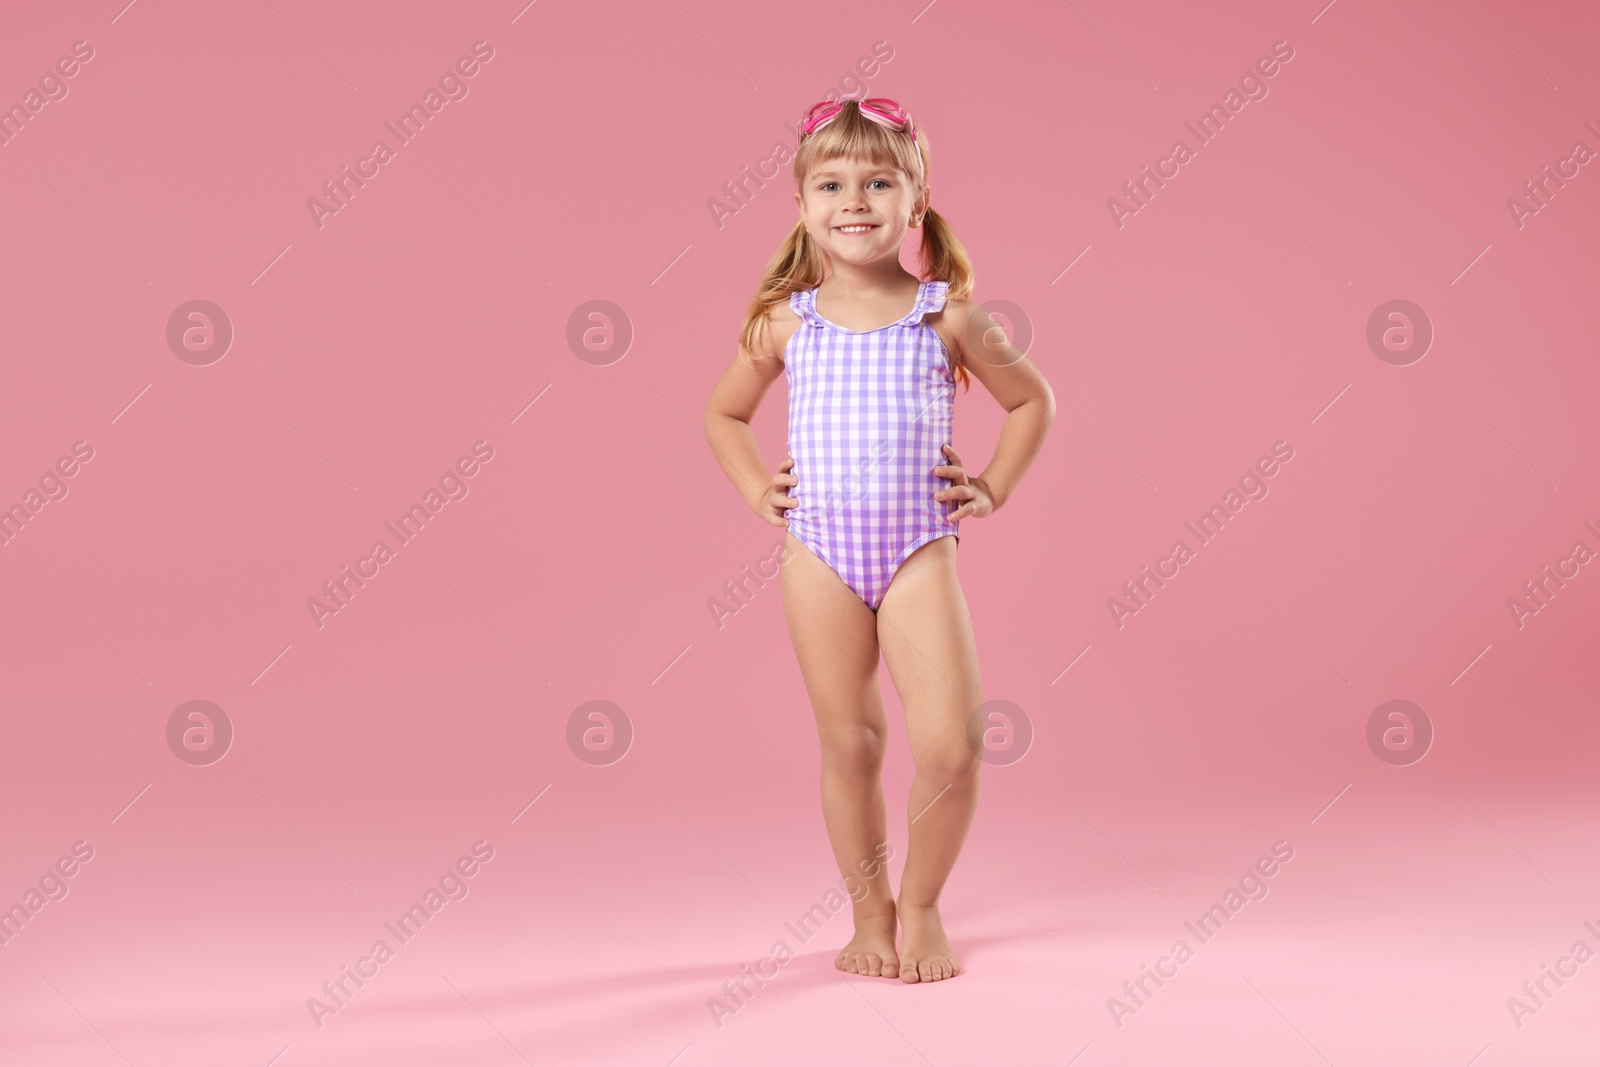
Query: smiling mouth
[{"x": 856, "y": 228}]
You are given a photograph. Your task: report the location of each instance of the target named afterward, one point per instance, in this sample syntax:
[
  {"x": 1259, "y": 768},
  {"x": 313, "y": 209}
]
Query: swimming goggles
[{"x": 879, "y": 109}]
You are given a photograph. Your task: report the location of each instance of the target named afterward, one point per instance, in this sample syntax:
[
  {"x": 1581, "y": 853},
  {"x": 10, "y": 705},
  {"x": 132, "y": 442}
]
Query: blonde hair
[{"x": 799, "y": 264}]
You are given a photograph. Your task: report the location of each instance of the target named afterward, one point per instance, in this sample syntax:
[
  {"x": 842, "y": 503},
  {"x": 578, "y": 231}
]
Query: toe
[
  {"x": 908, "y": 971},
  {"x": 874, "y": 964},
  {"x": 925, "y": 970}
]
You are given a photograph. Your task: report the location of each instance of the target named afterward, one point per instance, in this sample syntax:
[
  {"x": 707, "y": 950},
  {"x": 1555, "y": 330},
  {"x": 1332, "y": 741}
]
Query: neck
[{"x": 884, "y": 277}]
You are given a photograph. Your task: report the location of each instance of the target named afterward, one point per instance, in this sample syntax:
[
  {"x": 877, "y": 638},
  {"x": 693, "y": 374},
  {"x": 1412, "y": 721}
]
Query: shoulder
[
  {"x": 780, "y": 325},
  {"x": 951, "y": 323},
  {"x": 957, "y": 310}
]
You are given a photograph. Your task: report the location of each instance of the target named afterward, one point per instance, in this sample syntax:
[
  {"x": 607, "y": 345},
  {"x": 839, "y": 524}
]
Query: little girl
[{"x": 878, "y": 490}]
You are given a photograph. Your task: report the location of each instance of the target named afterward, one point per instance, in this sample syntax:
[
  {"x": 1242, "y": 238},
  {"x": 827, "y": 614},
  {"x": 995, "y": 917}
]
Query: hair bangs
[{"x": 854, "y": 136}]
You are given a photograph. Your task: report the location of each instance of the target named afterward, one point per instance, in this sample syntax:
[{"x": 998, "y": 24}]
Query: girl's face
[{"x": 856, "y": 210}]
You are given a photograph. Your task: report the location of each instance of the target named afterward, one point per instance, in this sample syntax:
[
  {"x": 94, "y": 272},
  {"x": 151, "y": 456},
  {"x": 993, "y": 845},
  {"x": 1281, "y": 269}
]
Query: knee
[
  {"x": 854, "y": 749},
  {"x": 949, "y": 761}
]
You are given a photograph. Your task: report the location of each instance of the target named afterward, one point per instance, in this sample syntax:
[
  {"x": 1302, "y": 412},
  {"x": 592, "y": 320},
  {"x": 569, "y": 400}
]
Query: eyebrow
[{"x": 836, "y": 174}]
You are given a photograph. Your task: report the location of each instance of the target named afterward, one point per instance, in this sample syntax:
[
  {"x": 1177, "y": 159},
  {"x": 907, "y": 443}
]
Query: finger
[
  {"x": 959, "y": 513},
  {"x": 955, "y": 492},
  {"x": 788, "y": 462},
  {"x": 787, "y": 502},
  {"x": 954, "y": 474},
  {"x": 955, "y": 457}
]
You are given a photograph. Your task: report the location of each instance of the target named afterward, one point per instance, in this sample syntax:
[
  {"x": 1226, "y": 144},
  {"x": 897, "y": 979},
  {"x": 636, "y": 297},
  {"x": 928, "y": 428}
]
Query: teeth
[{"x": 854, "y": 229}]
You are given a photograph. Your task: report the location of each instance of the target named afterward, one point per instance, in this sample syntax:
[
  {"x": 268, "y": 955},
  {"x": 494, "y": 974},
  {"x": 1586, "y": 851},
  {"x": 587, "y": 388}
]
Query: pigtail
[
  {"x": 945, "y": 257},
  {"x": 946, "y": 261},
  {"x": 797, "y": 265}
]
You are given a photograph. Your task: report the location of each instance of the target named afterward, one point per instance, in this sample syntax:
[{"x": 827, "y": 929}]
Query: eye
[{"x": 880, "y": 181}]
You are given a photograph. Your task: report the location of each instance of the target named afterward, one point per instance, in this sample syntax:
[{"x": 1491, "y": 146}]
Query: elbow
[
  {"x": 1044, "y": 403},
  {"x": 716, "y": 419}
]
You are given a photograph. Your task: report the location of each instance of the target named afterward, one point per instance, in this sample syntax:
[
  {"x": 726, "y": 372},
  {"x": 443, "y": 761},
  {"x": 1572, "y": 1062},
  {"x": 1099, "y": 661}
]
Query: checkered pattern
[{"x": 868, "y": 413}]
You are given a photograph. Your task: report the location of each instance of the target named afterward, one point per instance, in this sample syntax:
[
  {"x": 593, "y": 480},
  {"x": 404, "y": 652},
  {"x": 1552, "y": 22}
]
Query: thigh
[
  {"x": 926, "y": 635},
  {"x": 836, "y": 642}
]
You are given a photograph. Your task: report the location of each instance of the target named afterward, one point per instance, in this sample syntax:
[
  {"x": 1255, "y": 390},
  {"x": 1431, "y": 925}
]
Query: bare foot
[
  {"x": 927, "y": 956},
  {"x": 871, "y": 951}
]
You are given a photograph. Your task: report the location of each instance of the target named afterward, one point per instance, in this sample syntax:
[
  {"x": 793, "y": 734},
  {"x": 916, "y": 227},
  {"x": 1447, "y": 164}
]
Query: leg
[
  {"x": 836, "y": 643},
  {"x": 927, "y": 640}
]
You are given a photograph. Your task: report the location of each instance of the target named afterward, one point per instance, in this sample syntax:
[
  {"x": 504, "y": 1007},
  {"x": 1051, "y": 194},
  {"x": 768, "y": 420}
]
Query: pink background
[{"x": 432, "y": 310}]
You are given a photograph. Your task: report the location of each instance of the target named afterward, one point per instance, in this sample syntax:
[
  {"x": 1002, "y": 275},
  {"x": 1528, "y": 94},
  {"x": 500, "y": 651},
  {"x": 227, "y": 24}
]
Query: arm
[
  {"x": 1017, "y": 386},
  {"x": 729, "y": 409}
]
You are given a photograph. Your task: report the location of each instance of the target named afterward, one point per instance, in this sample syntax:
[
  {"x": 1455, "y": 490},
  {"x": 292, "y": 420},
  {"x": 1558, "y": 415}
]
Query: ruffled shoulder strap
[
  {"x": 932, "y": 299},
  {"x": 804, "y": 303}
]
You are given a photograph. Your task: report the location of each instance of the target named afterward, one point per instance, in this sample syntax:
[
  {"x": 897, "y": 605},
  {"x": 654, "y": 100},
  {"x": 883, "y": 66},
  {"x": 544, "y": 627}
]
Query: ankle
[{"x": 873, "y": 910}]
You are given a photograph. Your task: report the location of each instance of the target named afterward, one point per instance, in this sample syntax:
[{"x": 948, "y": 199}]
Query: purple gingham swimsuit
[{"x": 869, "y": 411}]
